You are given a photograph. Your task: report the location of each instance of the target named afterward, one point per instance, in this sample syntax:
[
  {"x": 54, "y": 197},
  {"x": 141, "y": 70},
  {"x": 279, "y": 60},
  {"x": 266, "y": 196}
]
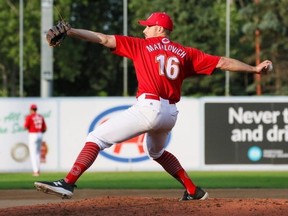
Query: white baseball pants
[
  {"x": 35, "y": 140},
  {"x": 154, "y": 117}
]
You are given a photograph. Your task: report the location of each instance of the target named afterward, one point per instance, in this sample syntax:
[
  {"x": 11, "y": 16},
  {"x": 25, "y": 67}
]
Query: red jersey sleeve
[
  {"x": 126, "y": 46},
  {"x": 26, "y": 124},
  {"x": 202, "y": 63}
]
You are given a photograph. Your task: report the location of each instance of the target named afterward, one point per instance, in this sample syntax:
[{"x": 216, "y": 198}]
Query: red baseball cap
[
  {"x": 160, "y": 19},
  {"x": 33, "y": 106}
]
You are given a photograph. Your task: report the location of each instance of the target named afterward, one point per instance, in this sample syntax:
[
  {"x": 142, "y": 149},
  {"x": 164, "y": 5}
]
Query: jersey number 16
[{"x": 168, "y": 66}]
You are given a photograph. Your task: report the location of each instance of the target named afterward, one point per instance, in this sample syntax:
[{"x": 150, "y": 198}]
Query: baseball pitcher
[{"x": 161, "y": 65}]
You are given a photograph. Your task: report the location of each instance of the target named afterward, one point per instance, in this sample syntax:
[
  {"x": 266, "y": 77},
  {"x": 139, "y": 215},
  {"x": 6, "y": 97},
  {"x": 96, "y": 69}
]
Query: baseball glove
[{"x": 57, "y": 33}]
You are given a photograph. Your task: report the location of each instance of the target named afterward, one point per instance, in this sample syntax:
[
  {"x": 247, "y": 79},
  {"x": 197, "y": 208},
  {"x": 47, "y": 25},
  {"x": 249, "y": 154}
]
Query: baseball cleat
[
  {"x": 199, "y": 195},
  {"x": 59, "y": 188}
]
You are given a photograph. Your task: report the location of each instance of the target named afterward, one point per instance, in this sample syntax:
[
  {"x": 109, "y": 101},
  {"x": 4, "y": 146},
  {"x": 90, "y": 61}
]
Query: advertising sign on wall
[
  {"x": 246, "y": 133},
  {"x": 210, "y": 133}
]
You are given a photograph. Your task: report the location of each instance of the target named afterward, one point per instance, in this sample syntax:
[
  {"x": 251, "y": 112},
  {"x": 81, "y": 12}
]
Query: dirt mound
[{"x": 140, "y": 206}]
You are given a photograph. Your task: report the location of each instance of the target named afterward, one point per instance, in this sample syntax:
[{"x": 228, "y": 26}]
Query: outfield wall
[{"x": 212, "y": 133}]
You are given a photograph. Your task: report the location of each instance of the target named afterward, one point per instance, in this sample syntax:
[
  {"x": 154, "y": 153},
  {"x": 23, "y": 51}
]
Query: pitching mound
[
  {"x": 154, "y": 206},
  {"x": 231, "y": 202}
]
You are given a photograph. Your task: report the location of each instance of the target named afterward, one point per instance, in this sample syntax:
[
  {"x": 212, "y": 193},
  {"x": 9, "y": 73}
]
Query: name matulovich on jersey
[{"x": 158, "y": 46}]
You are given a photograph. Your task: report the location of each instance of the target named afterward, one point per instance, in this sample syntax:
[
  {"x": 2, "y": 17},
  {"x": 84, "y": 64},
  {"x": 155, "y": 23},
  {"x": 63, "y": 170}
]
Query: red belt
[{"x": 156, "y": 97}]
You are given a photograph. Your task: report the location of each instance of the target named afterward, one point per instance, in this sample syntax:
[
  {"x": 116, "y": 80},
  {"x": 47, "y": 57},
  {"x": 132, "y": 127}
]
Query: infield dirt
[{"x": 230, "y": 202}]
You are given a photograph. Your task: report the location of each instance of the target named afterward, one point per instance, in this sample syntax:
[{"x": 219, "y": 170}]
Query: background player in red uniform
[
  {"x": 36, "y": 126},
  {"x": 161, "y": 66}
]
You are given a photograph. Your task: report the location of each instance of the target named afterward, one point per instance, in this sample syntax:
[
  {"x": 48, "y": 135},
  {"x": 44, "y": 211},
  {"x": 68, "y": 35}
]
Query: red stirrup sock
[
  {"x": 183, "y": 177},
  {"x": 85, "y": 159},
  {"x": 171, "y": 164}
]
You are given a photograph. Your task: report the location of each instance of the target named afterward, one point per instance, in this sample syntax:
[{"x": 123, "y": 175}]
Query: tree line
[{"x": 85, "y": 69}]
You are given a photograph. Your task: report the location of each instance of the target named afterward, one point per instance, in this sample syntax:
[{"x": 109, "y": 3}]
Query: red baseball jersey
[
  {"x": 161, "y": 65},
  {"x": 35, "y": 123}
]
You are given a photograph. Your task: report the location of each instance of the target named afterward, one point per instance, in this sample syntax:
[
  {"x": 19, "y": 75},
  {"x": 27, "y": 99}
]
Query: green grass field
[{"x": 153, "y": 180}]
